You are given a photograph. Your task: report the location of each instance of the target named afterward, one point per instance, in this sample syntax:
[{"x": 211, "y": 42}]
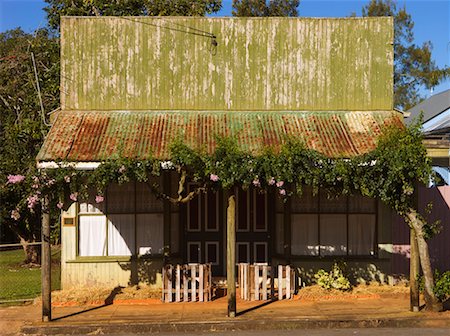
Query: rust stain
[{"x": 99, "y": 135}]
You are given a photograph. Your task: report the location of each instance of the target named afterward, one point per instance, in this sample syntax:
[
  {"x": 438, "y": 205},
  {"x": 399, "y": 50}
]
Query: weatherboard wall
[{"x": 155, "y": 63}]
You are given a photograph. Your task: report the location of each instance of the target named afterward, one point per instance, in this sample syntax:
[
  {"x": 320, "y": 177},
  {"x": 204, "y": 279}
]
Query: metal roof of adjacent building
[
  {"x": 430, "y": 107},
  {"x": 86, "y": 136}
]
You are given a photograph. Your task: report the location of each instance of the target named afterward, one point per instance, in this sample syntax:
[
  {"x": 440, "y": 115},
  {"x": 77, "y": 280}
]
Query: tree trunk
[
  {"x": 431, "y": 301},
  {"x": 32, "y": 252}
]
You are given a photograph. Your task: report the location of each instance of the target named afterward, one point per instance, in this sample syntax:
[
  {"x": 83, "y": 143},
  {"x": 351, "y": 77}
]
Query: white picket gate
[
  {"x": 260, "y": 282},
  {"x": 187, "y": 283}
]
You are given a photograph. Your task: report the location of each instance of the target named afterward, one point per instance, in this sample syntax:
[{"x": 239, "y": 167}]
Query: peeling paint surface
[
  {"x": 99, "y": 135},
  {"x": 162, "y": 63}
]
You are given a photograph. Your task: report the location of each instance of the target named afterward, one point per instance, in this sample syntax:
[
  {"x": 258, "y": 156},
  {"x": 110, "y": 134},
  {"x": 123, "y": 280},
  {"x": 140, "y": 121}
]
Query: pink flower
[
  {"x": 32, "y": 201},
  {"x": 256, "y": 183},
  {"x": 67, "y": 179},
  {"x": 272, "y": 181},
  {"x": 35, "y": 186},
  {"x": 60, "y": 205},
  {"x": 51, "y": 182},
  {"x": 73, "y": 196},
  {"x": 15, "y": 214},
  {"x": 282, "y": 192},
  {"x": 99, "y": 199},
  {"x": 280, "y": 184},
  {"x": 13, "y": 179},
  {"x": 122, "y": 169},
  {"x": 35, "y": 179},
  {"x": 214, "y": 177}
]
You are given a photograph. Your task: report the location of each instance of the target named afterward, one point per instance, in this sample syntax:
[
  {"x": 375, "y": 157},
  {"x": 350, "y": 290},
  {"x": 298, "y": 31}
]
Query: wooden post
[
  {"x": 46, "y": 264},
  {"x": 231, "y": 255},
  {"x": 414, "y": 265}
]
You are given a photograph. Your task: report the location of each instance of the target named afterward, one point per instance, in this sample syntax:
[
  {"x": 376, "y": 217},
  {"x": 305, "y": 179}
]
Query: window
[
  {"x": 128, "y": 222},
  {"x": 332, "y": 227}
]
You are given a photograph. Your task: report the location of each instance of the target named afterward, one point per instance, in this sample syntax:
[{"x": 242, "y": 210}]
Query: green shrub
[
  {"x": 441, "y": 285},
  {"x": 334, "y": 279}
]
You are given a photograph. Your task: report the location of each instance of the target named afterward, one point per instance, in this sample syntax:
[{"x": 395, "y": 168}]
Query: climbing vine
[{"x": 389, "y": 173}]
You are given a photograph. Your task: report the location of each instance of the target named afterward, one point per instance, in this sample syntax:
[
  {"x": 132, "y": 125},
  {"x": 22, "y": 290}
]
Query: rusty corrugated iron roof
[{"x": 98, "y": 135}]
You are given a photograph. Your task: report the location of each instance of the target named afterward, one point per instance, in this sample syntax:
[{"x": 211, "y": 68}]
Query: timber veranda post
[
  {"x": 46, "y": 263},
  {"x": 231, "y": 254}
]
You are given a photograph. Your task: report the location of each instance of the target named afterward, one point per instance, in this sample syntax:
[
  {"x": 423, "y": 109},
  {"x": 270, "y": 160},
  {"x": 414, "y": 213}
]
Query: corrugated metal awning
[{"x": 97, "y": 135}]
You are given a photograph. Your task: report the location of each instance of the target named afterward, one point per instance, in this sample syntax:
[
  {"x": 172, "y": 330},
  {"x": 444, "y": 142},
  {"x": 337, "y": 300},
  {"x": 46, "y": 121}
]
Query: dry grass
[
  {"x": 101, "y": 295},
  {"x": 371, "y": 290}
]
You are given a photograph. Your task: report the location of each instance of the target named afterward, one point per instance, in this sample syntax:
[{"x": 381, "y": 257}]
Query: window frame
[
  {"x": 106, "y": 213},
  {"x": 347, "y": 214}
]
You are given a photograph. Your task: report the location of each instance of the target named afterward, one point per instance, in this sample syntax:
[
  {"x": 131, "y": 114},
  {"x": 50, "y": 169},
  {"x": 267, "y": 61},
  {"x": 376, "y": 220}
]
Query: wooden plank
[
  {"x": 256, "y": 280},
  {"x": 240, "y": 278},
  {"x": 264, "y": 282},
  {"x": 251, "y": 282},
  {"x": 178, "y": 284},
  {"x": 245, "y": 267},
  {"x": 200, "y": 283},
  {"x": 210, "y": 282},
  {"x": 280, "y": 282},
  {"x": 169, "y": 283},
  {"x": 193, "y": 283},
  {"x": 272, "y": 282},
  {"x": 288, "y": 282},
  {"x": 185, "y": 284}
]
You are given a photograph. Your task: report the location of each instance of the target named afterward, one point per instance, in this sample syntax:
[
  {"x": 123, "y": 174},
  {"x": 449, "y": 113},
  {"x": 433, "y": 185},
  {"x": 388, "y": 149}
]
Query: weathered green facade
[{"x": 142, "y": 63}]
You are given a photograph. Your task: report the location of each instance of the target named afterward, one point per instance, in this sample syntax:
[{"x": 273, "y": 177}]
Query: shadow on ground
[{"x": 108, "y": 301}]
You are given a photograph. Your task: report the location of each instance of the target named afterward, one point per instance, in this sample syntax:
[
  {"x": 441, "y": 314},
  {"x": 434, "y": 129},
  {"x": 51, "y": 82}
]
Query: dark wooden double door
[{"x": 205, "y": 234}]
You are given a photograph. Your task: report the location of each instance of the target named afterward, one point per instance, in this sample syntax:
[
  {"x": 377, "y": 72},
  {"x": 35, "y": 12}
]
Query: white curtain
[
  {"x": 304, "y": 234},
  {"x": 361, "y": 234},
  {"x": 333, "y": 234},
  {"x": 92, "y": 236},
  {"x": 121, "y": 235},
  {"x": 150, "y": 233}
]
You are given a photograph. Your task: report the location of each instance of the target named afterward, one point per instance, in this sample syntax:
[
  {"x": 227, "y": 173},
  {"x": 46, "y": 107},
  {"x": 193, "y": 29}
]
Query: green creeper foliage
[
  {"x": 414, "y": 68},
  {"x": 58, "y": 8}
]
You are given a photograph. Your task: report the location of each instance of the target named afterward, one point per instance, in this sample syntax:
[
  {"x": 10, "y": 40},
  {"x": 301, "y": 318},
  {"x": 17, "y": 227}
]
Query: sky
[{"x": 431, "y": 20}]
